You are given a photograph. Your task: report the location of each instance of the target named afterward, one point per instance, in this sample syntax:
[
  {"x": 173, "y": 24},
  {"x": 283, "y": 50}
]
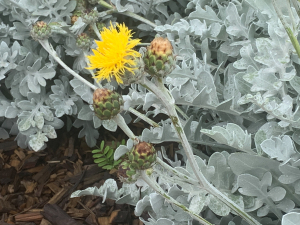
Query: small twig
[
  {"x": 181, "y": 112},
  {"x": 72, "y": 189},
  {"x": 182, "y": 176},
  {"x": 52, "y": 52},
  {"x": 96, "y": 31},
  {"x": 85, "y": 207},
  {"x": 121, "y": 123},
  {"x": 143, "y": 117}
]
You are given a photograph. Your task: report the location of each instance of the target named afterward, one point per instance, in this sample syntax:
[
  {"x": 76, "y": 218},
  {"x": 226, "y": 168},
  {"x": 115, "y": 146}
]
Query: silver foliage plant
[{"x": 235, "y": 86}]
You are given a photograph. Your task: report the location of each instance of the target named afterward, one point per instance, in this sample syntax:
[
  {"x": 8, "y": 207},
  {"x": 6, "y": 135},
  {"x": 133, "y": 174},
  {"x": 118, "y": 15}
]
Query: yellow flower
[{"x": 114, "y": 54}]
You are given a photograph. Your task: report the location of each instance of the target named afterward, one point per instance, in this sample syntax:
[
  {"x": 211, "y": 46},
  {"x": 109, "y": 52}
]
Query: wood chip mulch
[{"x": 35, "y": 187}]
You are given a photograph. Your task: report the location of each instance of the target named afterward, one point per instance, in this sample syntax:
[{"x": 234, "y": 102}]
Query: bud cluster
[
  {"x": 83, "y": 41},
  {"x": 40, "y": 31},
  {"x": 90, "y": 16}
]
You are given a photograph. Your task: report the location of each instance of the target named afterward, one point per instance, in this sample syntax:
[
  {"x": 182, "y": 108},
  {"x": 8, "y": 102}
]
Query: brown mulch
[{"x": 35, "y": 187}]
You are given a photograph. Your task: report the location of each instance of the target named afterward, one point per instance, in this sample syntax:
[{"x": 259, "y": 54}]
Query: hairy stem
[
  {"x": 121, "y": 123},
  {"x": 182, "y": 176},
  {"x": 96, "y": 31},
  {"x": 165, "y": 96},
  {"x": 130, "y": 14},
  {"x": 181, "y": 112},
  {"x": 291, "y": 14},
  {"x": 171, "y": 200},
  {"x": 143, "y": 117},
  {"x": 52, "y": 52}
]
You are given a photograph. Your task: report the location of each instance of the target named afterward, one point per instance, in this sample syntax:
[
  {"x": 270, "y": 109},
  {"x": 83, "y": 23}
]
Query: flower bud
[
  {"x": 142, "y": 156},
  {"x": 90, "y": 16},
  {"x": 83, "y": 41},
  {"x": 40, "y": 31},
  {"x": 159, "y": 59},
  {"x": 126, "y": 173},
  {"x": 106, "y": 103},
  {"x": 76, "y": 14}
]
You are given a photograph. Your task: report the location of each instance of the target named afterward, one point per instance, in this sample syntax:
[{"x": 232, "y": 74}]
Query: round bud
[
  {"x": 159, "y": 59},
  {"x": 142, "y": 156},
  {"x": 90, "y": 16},
  {"x": 40, "y": 31},
  {"x": 83, "y": 41},
  {"x": 107, "y": 103}
]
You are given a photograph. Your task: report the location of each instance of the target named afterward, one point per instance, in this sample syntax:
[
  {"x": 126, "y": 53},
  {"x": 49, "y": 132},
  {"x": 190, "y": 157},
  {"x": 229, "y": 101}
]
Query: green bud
[
  {"x": 83, "y": 41},
  {"x": 142, "y": 156},
  {"x": 90, "y": 16},
  {"x": 159, "y": 59},
  {"x": 40, "y": 31},
  {"x": 126, "y": 173},
  {"x": 106, "y": 103}
]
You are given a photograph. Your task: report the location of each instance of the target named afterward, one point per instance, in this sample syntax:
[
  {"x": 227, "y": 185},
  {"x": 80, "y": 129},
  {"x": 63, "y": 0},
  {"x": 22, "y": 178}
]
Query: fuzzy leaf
[
  {"x": 231, "y": 135},
  {"x": 88, "y": 130},
  {"x": 291, "y": 218},
  {"x": 280, "y": 148}
]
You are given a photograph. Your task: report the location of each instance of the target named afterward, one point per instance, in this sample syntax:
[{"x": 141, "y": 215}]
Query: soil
[{"x": 35, "y": 187}]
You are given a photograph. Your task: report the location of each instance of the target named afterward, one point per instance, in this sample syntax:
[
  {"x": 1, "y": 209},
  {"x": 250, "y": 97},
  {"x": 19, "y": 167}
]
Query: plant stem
[
  {"x": 287, "y": 29},
  {"x": 52, "y": 52},
  {"x": 182, "y": 176},
  {"x": 143, "y": 44},
  {"x": 121, "y": 123},
  {"x": 171, "y": 200},
  {"x": 181, "y": 112},
  {"x": 143, "y": 117},
  {"x": 96, "y": 31},
  {"x": 130, "y": 14},
  {"x": 167, "y": 99}
]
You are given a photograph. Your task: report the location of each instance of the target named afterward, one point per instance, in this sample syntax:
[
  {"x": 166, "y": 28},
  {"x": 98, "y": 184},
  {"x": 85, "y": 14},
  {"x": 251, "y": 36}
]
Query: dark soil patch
[{"x": 35, "y": 187}]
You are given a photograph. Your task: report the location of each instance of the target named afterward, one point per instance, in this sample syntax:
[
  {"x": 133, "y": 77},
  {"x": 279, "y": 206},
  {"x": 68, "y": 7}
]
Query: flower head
[{"x": 114, "y": 54}]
